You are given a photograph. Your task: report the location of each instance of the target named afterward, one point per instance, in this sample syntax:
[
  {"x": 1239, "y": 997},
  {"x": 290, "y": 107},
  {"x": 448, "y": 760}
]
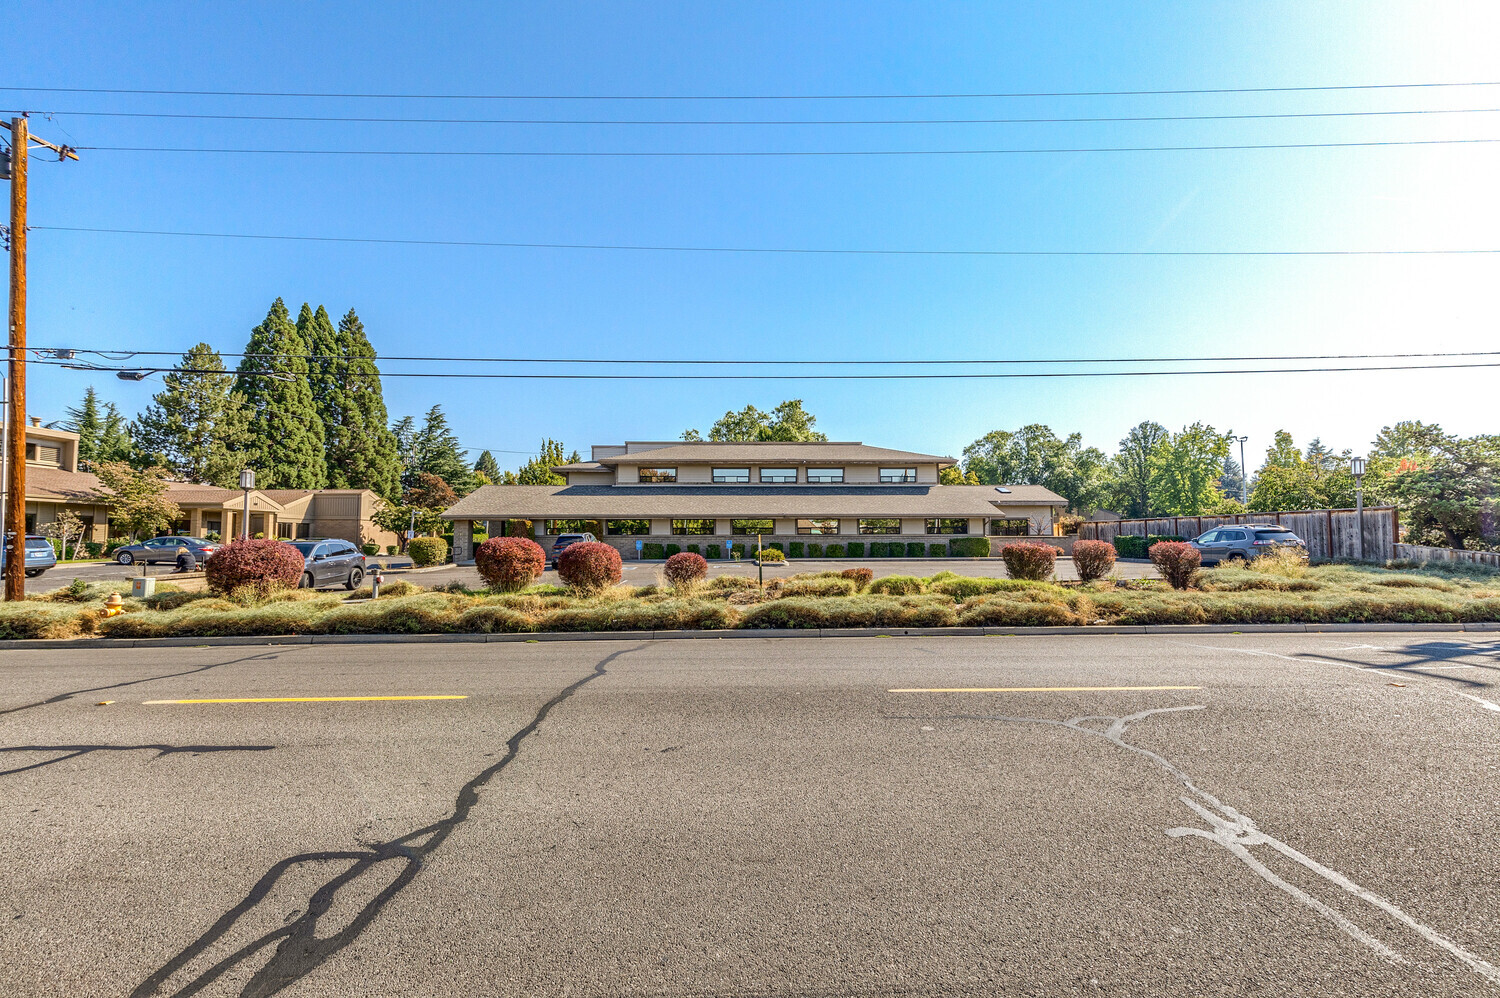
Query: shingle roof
[
  {"x": 497, "y": 502},
  {"x": 779, "y": 452},
  {"x": 189, "y": 493},
  {"x": 55, "y": 483},
  {"x": 580, "y": 466}
]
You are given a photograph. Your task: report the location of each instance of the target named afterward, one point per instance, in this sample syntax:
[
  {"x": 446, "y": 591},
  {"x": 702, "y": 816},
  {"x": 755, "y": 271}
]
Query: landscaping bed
[{"x": 1231, "y": 595}]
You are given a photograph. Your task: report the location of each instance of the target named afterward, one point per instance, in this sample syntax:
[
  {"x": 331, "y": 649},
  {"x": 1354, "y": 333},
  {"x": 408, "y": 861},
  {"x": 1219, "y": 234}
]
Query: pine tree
[
  {"x": 362, "y": 452},
  {"x": 435, "y": 451},
  {"x": 196, "y": 426},
  {"x": 286, "y": 435},
  {"x": 85, "y": 420},
  {"x": 323, "y": 361},
  {"x": 404, "y": 430},
  {"x": 487, "y": 466},
  {"x": 115, "y": 441}
]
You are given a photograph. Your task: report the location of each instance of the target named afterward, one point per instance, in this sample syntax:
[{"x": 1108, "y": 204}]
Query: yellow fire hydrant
[{"x": 114, "y": 606}]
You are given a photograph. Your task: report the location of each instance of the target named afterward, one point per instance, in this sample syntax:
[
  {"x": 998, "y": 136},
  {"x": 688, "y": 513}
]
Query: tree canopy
[
  {"x": 197, "y": 426},
  {"x": 787, "y": 421},
  {"x": 286, "y": 444}
]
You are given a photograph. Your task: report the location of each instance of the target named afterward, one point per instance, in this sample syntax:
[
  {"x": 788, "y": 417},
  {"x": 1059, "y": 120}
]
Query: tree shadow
[
  {"x": 75, "y": 751},
  {"x": 1419, "y": 659},
  {"x": 298, "y": 948},
  {"x": 61, "y": 697}
]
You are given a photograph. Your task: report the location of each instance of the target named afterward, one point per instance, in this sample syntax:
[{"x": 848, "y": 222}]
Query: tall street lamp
[
  {"x": 1357, "y": 468},
  {"x": 247, "y": 482},
  {"x": 1244, "y": 475}
]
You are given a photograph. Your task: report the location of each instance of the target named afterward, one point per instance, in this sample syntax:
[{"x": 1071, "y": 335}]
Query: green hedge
[
  {"x": 835, "y": 550},
  {"x": 937, "y": 550},
  {"x": 693, "y": 548},
  {"x": 737, "y": 548},
  {"x": 1133, "y": 546},
  {"x": 916, "y": 549},
  {"x": 652, "y": 552},
  {"x": 856, "y": 549},
  {"x": 796, "y": 549},
  {"x": 814, "y": 550},
  {"x": 969, "y": 547},
  {"x": 713, "y": 553},
  {"x": 673, "y": 549},
  {"x": 427, "y": 551},
  {"x": 777, "y": 545}
]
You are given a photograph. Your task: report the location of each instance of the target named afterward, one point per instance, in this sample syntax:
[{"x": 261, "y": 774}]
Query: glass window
[
  {"x": 747, "y": 527},
  {"x": 305, "y": 547},
  {"x": 1010, "y": 528},
  {"x": 817, "y": 526},
  {"x": 880, "y": 525},
  {"x": 284, "y": 531},
  {"x": 826, "y": 476},
  {"x": 1233, "y": 535},
  {"x": 948, "y": 525},
  {"x": 628, "y": 527},
  {"x": 692, "y": 526},
  {"x": 778, "y": 476},
  {"x": 658, "y": 474},
  {"x": 42, "y": 453},
  {"x": 733, "y": 476},
  {"x": 304, "y": 530},
  {"x": 569, "y": 526},
  {"x": 889, "y": 475}
]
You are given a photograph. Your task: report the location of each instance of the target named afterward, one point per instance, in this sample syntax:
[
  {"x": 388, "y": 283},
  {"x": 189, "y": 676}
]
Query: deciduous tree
[{"x": 137, "y": 498}]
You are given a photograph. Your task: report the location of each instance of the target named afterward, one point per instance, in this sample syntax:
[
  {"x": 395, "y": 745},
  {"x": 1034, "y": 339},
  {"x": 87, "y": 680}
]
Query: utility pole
[{"x": 15, "y": 425}]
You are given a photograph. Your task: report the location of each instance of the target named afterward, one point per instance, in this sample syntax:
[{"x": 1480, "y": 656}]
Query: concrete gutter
[{"x": 1180, "y": 630}]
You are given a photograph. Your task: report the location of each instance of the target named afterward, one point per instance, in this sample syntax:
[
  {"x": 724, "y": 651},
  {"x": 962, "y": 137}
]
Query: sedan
[
  {"x": 164, "y": 549},
  {"x": 330, "y": 563},
  {"x": 1243, "y": 542}
]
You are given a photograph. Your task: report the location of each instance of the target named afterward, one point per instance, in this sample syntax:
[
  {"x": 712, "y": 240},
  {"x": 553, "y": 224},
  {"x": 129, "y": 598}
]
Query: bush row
[
  {"x": 959, "y": 547},
  {"x": 1131, "y": 546}
]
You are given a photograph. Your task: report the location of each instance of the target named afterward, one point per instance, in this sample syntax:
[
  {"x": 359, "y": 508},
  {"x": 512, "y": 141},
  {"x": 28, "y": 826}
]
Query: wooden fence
[
  {"x": 1418, "y": 552},
  {"x": 1328, "y": 533}
]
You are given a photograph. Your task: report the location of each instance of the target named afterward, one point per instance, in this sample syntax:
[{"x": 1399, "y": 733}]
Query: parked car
[
  {"x": 565, "y": 541},
  {"x": 164, "y": 549},
  {"x": 1243, "y": 542},
  {"x": 39, "y": 555},
  {"x": 330, "y": 563}
]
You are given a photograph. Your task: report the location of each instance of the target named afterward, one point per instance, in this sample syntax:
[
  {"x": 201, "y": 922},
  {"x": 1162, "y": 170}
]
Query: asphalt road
[{"x": 1313, "y": 814}]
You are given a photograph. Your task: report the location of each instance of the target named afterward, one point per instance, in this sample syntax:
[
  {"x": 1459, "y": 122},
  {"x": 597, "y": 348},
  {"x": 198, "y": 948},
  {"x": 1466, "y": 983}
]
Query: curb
[{"x": 809, "y": 632}]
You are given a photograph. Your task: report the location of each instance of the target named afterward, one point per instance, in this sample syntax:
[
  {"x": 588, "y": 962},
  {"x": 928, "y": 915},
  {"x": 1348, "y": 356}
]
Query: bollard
[{"x": 375, "y": 581}]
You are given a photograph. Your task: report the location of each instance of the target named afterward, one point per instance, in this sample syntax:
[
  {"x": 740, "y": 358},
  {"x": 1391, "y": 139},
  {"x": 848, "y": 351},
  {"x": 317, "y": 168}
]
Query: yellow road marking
[
  {"x": 444, "y": 696},
  {"x": 1038, "y": 689}
]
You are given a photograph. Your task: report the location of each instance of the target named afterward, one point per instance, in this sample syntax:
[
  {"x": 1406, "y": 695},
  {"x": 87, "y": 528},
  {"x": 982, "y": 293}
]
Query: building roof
[
  {"x": 561, "y": 469},
  {"x": 180, "y": 492},
  {"x": 771, "y": 452},
  {"x": 499, "y": 502},
  {"x": 57, "y": 484}
]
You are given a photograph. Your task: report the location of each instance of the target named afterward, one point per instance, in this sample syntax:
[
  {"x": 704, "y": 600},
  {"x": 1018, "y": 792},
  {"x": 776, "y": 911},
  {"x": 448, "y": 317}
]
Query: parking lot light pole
[
  {"x": 247, "y": 482},
  {"x": 1244, "y": 475},
  {"x": 1357, "y": 468}
]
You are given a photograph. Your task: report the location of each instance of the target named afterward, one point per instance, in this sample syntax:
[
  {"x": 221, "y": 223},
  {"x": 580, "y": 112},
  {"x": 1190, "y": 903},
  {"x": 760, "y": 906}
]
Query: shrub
[
  {"x": 1130, "y": 546},
  {"x": 962, "y": 588},
  {"x": 686, "y": 570},
  {"x": 672, "y": 549},
  {"x": 592, "y": 566},
  {"x": 819, "y": 587},
  {"x": 1017, "y": 613},
  {"x": 259, "y": 564},
  {"x": 1290, "y": 562},
  {"x": 1093, "y": 559},
  {"x": 390, "y": 549},
  {"x": 856, "y": 549},
  {"x": 796, "y": 549},
  {"x": 969, "y": 547},
  {"x": 730, "y": 583},
  {"x": 714, "y": 553},
  {"x": 878, "y": 549},
  {"x": 1029, "y": 560},
  {"x": 814, "y": 550},
  {"x": 369, "y": 548},
  {"x": 916, "y": 549},
  {"x": 772, "y": 554},
  {"x": 693, "y": 549},
  {"x": 1176, "y": 561},
  {"x": 510, "y": 564},
  {"x": 652, "y": 552},
  {"x": 776, "y": 545},
  {"x": 860, "y": 576},
  {"x": 737, "y": 550},
  {"x": 897, "y": 585},
  {"x": 937, "y": 550},
  {"x": 427, "y": 551},
  {"x": 835, "y": 550}
]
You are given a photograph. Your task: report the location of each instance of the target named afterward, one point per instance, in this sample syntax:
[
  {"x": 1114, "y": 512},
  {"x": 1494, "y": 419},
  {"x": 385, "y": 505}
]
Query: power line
[
  {"x": 775, "y": 153},
  {"x": 644, "y": 248},
  {"x": 754, "y": 97},
  {"x": 770, "y": 121}
]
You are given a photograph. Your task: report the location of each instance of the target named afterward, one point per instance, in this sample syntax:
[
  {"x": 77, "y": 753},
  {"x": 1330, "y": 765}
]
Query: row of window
[
  {"x": 779, "y": 476},
  {"x": 751, "y": 527}
]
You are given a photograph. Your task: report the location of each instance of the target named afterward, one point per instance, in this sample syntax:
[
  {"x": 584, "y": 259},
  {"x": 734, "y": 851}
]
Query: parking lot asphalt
[{"x": 1095, "y": 815}]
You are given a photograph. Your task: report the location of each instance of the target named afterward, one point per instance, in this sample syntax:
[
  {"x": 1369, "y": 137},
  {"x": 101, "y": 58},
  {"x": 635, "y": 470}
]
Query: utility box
[{"x": 142, "y": 586}]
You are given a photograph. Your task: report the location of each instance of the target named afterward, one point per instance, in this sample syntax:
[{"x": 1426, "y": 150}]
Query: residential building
[{"x": 721, "y": 493}]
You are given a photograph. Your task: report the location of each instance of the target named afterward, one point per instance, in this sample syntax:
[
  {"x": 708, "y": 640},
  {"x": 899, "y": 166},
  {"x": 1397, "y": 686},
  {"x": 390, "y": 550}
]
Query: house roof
[
  {"x": 68, "y": 486},
  {"x": 498, "y": 502},
  {"x": 580, "y": 466},
  {"x": 771, "y": 452}
]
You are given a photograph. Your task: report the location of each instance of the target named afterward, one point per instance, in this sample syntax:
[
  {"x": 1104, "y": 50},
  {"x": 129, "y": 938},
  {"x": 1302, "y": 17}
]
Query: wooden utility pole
[{"x": 15, "y": 423}]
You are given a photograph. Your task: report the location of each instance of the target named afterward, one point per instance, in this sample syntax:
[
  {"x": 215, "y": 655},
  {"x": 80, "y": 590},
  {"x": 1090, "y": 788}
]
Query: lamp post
[
  {"x": 247, "y": 482},
  {"x": 1357, "y": 468},
  {"x": 1244, "y": 475}
]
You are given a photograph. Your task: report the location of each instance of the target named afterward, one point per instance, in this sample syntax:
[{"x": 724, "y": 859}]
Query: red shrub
[
  {"x": 860, "y": 576},
  {"x": 1093, "y": 559},
  {"x": 686, "y": 569},
  {"x": 1029, "y": 560},
  {"x": 509, "y": 564},
  {"x": 262, "y": 564},
  {"x": 591, "y": 566},
  {"x": 1176, "y": 561}
]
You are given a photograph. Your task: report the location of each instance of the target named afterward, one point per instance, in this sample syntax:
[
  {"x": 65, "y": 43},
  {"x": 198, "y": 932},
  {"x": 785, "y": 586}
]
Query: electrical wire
[{"x": 759, "y": 249}]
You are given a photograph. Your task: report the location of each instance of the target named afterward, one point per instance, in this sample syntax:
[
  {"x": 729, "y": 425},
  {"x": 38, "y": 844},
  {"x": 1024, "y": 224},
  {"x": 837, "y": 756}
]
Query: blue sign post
[{"x": 638, "y": 546}]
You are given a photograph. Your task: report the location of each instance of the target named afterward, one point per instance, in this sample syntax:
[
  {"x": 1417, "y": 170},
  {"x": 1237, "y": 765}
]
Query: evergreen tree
[
  {"x": 85, "y": 420},
  {"x": 362, "y": 451},
  {"x": 435, "y": 451},
  {"x": 197, "y": 426},
  {"x": 487, "y": 466},
  {"x": 323, "y": 362},
  {"x": 286, "y": 435},
  {"x": 538, "y": 471},
  {"x": 115, "y": 442}
]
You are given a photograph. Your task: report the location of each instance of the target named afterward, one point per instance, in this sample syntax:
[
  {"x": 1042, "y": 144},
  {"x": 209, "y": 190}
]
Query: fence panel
[
  {"x": 1419, "y": 552},
  {"x": 1328, "y": 533}
]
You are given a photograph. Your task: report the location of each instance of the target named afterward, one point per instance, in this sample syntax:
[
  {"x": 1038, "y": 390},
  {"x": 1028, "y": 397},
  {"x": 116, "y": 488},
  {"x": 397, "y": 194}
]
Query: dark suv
[
  {"x": 565, "y": 541},
  {"x": 330, "y": 563},
  {"x": 1243, "y": 541}
]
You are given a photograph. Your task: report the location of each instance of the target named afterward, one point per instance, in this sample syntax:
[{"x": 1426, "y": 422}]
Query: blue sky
[{"x": 116, "y": 291}]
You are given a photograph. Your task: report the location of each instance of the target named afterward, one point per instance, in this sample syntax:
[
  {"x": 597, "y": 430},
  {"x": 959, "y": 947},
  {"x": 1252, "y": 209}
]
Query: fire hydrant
[
  {"x": 114, "y": 605},
  {"x": 375, "y": 582}
]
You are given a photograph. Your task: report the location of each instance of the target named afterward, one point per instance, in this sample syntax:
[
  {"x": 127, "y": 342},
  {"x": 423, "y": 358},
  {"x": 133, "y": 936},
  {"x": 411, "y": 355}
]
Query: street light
[
  {"x": 1244, "y": 475},
  {"x": 247, "y": 482},
  {"x": 1357, "y": 468}
]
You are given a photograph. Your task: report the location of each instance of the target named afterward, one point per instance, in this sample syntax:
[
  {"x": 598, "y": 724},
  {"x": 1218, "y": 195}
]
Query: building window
[
  {"x": 817, "y": 526},
  {"x": 571, "y": 526},
  {"x": 212, "y": 526},
  {"x": 658, "y": 474},
  {"x": 284, "y": 531},
  {"x": 880, "y": 525},
  {"x": 944, "y": 525},
  {"x": 732, "y": 476},
  {"x": 778, "y": 476},
  {"x": 42, "y": 454},
  {"x": 692, "y": 526},
  {"x": 890, "y": 476},
  {"x": 1010, "y": 528},
  {"x": 627, "y": 527},
  {"x": 826, "y": 476},
  {"x": 748, "y": 527},
  {"x": 304, "y": 531}
]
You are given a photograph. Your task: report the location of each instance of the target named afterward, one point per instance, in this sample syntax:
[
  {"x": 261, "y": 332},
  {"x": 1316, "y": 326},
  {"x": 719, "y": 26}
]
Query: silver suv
[
  {"x": 1243, "y": 541},
  {"x": 565, "y": 541}
]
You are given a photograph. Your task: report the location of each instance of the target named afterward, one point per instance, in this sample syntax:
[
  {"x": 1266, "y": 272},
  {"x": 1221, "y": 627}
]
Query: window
[
  {"x": 1232, "y": 535},
  {"x": 895, "y": 475},
  {"x": 284, "y": 531},
  {"x": 569, "y": 526},
  {"x": 817, "y": 526},
  {"x": 1010, "y": 528},
  {"x": 658, "y": 474},
  {"x": 826, "y": 476},
  {"x": 880, "y": 525},
  {"x": 692, "y": 526},
  {"x": 732, "y": 476},
  {"x": 42, "y": 453},
  {"x": 778, "y": 476},
  {"x": 747, "y": 527},
  {"x": 947, "y": 525},
  {"x": 212, "y": 526},
  {"x": 628, "y": 527},
  {"x": 304, "y": 530}
]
